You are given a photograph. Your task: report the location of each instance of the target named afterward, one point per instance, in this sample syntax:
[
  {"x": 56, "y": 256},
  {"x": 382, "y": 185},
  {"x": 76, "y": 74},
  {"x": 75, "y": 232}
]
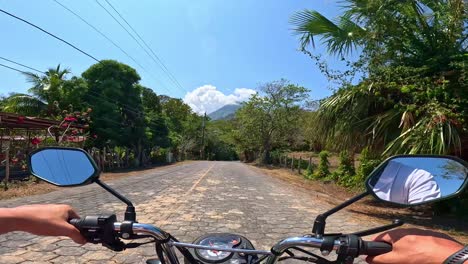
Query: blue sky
[{"x": 210, "y": 43}]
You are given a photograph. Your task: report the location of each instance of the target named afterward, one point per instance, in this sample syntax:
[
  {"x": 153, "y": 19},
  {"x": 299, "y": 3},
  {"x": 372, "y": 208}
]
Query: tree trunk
[
  {"x": 266, "y": 155},
  {"x": 299, "y": 164}
]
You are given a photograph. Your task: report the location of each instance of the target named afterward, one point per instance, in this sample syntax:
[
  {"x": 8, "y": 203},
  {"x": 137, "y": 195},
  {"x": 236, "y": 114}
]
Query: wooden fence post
[
  {"x": 299, "y": 165},
  {"x": 292, "y": 164},
  {"x": 7, "y": 162}
]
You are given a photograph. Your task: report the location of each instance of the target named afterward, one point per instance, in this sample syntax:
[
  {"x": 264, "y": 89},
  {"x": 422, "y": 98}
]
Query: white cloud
[{"x": 208, "y": 98}]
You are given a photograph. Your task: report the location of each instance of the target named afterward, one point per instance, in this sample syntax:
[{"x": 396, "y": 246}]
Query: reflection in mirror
[
  {"x": 415, "y": 180},
  {"x": 62, "y": 167}
]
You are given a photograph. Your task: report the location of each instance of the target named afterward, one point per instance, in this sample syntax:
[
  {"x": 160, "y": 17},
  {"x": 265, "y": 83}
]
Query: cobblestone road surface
[{"x": 187, "y": 201}]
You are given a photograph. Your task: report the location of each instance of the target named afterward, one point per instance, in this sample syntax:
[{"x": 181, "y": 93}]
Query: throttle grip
[
  {"x": 76, "y": 222},
  {"x": 372, "y": 248}
]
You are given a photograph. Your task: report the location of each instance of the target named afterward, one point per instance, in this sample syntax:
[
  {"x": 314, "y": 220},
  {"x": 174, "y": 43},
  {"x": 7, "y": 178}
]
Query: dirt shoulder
[
  {"x": 27, "y": 188},
  {"x": 368, "y": 208}
]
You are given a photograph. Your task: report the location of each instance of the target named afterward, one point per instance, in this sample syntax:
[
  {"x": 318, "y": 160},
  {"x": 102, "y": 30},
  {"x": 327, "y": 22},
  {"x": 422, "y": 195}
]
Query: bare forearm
[
  {"x": 10, "y": 220},
  {"x": 41, "y": 219}
]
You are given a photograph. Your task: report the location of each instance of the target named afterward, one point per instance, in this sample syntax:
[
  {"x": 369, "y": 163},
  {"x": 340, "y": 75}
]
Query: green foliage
[
  {"x": 24, "y": 104},
  {"x": 413, "y": 96},
  {"x": 219, "y": 142},
  {"x": 309, "y": 171},
  {"x": 367, "y": 163},
  {"x": 346, "y": 171},
  {"x": 323, "y": 166},
  {"x": 269, "y": 119},
  {"x": 159, "y": 156},
  {"x": 115, "y": 99}
]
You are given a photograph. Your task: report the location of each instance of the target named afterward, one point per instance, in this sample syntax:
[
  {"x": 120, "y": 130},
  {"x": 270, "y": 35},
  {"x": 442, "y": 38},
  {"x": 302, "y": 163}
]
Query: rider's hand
[
  {"x": 415, "y": 246},
  {"x": 46, "y": 220}
]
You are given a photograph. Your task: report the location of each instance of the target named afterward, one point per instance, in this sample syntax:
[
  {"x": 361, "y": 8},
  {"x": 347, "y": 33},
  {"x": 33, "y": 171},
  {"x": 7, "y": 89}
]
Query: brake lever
[
  {"x": 372, "y": 231},
  {"x": 141, "y": 236},
  {"x": 135, "y": 245}
]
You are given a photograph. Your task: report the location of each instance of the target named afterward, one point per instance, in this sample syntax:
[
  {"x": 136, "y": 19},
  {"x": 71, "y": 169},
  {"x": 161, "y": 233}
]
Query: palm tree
[
  {"x": 416, "y": 29},
  {"x": 46, "y": 92},
  {"x": 24, "y": 104},
  {"x": 48, "y": 87},
  {"x": 413, "y": 97}
]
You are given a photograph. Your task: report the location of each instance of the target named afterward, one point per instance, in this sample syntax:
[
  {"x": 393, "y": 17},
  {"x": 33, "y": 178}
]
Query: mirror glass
[
  {"x": 416, "y": 180},
  {"x": 62, "y": 167}
]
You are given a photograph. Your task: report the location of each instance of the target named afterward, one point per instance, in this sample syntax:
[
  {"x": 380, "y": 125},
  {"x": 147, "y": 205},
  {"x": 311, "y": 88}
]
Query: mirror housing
[
  {"x": 62, "y": 166},
  {"x": 411, "y": 180}
]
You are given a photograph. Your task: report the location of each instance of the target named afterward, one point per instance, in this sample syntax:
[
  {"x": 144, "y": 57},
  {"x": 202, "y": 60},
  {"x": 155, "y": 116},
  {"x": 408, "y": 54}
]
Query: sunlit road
[{"x": 187, "y": 201}]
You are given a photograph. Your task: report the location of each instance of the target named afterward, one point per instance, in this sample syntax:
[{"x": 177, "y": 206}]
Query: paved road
[{"x": 187, "y": 201}]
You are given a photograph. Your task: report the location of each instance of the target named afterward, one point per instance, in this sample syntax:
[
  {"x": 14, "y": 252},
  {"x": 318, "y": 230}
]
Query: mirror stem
[
  {"x": 396, "y": 223},
  {"x": 320, "y": 221},
  {"x": 130, "y": 214}
]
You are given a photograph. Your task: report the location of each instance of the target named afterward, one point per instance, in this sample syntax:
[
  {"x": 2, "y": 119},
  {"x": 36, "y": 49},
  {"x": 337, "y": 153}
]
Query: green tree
[
  {"x": 185, "y": 126},
  {"x": 115, "y": 97},
  {"x": 219, "y": 141},
  {"x": 269, "y": 118},
  {"x": 156, "y": 129}
]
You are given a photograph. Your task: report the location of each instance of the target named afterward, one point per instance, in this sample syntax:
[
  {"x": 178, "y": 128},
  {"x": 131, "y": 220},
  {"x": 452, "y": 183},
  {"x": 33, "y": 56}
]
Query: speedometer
[{"x": 219, "y": 241}]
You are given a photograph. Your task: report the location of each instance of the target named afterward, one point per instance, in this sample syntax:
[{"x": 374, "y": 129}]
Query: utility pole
[{"x": 202, "y": 151}]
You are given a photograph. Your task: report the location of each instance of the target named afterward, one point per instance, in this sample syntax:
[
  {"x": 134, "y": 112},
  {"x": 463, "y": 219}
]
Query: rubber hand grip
[
  {"x": 76, "y": 222},
  {"x": 372, "y": 248}
]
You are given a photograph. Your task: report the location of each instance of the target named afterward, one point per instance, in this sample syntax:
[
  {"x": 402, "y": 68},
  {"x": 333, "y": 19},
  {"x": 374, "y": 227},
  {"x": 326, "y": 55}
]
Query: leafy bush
[
  {"x": 323, "y": 167},
  {"x": 159, "y": 156},
  {"x": 367, "y": 163},
  {"x": 346, "y": 171},
  {"x": 309, "y": 171}
]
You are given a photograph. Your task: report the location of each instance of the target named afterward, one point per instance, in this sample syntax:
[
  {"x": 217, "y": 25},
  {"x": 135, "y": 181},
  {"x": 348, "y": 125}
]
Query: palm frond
[
  {"x": 23, "y": 104},
  {"x": 434, "y": 133},
  {"x": 340, "y": 37}
]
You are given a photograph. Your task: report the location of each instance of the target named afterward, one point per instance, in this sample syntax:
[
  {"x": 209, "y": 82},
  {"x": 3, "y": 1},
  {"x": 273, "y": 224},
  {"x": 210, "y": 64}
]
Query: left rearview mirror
[
  {"x": 63, "y": 166},
  {"x": 415, "y": 180}
]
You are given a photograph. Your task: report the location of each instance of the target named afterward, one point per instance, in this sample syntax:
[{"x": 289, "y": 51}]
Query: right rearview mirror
[
  {"x": 416, "y": 180},
  {"x": 63, "y": 166}
]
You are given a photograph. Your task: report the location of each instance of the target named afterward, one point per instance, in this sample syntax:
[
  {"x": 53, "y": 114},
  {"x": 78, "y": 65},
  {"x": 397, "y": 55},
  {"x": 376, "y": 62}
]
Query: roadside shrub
[
  {"x": 324, "y": 165},
  {"x": 159, "y": 156},
  {"x": 276, "y": 155},
  {"x": 309, "y": 171},
  {"x": 367, "y": 163},
  {"x": 346, "y": 171}
]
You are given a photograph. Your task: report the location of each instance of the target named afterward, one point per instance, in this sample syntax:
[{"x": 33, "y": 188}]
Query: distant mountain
[{"x": 226, "y": 112}]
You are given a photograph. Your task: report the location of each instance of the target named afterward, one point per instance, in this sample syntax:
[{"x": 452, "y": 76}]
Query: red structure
[{"x": 21, "y": 134}]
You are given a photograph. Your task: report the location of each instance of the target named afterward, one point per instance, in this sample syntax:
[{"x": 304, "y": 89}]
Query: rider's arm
[
  {"x": 422, "y": 187},
  {"x": 416, "y": 246},
  {"x": 44, "y": 220}
]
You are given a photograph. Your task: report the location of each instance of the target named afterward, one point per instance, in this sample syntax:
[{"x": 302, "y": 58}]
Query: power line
[
  {"x": 11, "y": 68},
  {"x": 50, "y": 34},
  {"x": 60, "y": 39},
  {"x": 96, "y": 95},
  {"x": 108, "y": 39},
  {"x": 100, "y": 32},
  {"x": 128, "y": 32},
  {"x": 31, "y": 68},
  {"x": 159, "y": 61}
]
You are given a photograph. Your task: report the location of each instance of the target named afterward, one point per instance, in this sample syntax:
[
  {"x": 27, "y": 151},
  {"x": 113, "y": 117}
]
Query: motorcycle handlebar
[{"x": 370, "y": 248}]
